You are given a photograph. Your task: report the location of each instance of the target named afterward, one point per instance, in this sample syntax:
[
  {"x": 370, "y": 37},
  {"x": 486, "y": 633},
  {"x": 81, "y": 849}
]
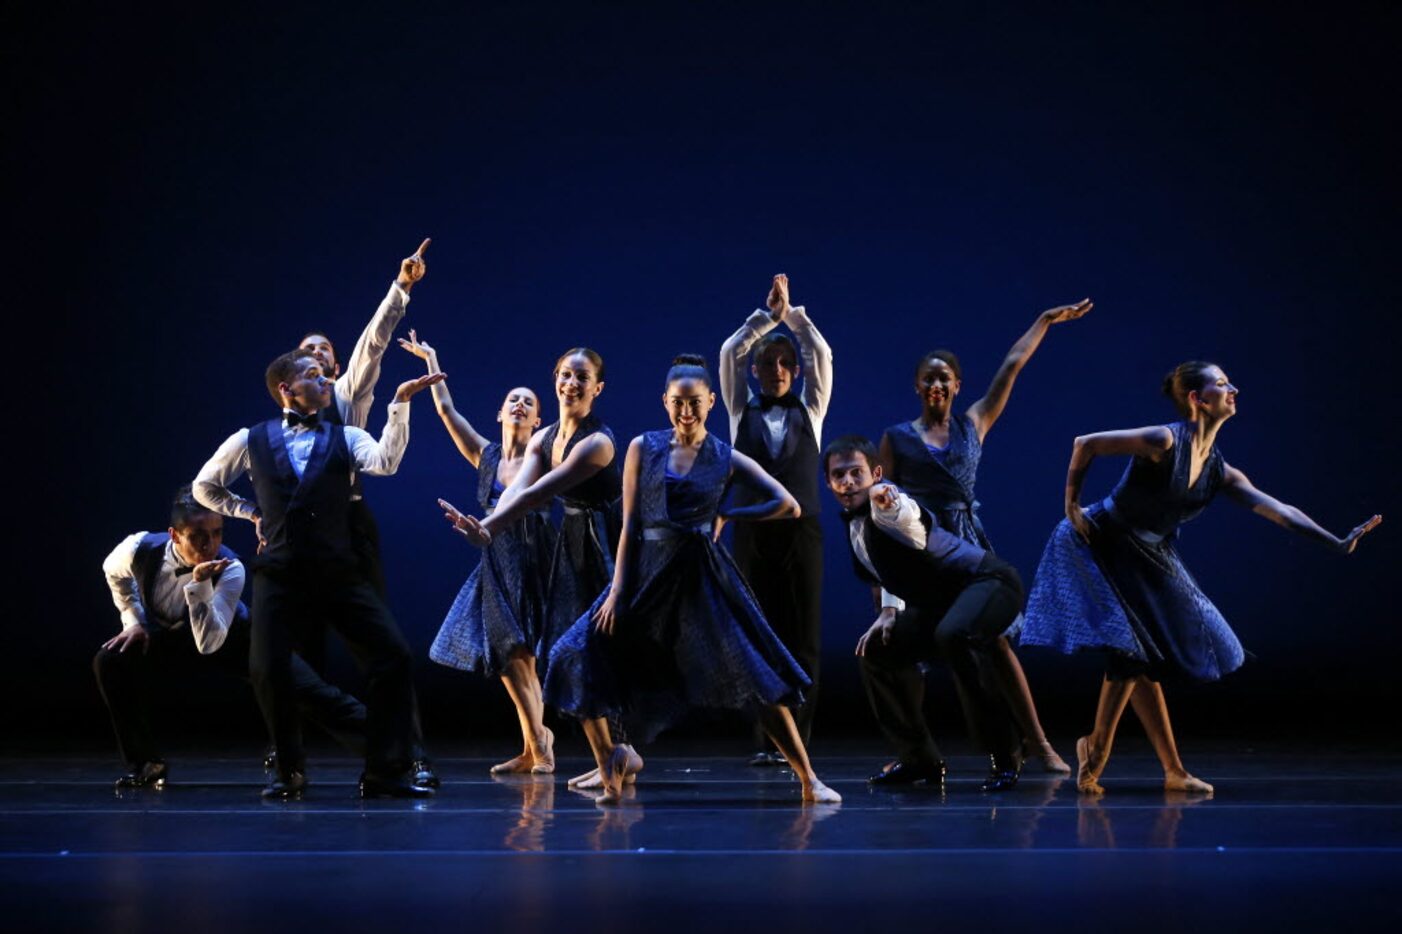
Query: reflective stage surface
[{"x": 1292, "y": 839}]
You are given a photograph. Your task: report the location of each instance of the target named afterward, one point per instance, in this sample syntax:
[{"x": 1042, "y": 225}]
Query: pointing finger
[{"x": 423, "y": 247}]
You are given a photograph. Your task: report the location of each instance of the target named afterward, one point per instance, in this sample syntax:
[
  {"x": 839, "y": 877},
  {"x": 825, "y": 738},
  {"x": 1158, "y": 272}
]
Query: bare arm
[
  {"x": 985, "y": 411},
  {"x": 780, "y": 505},
  {"x": 1240, "y": 489},
  {"x": 1151, "y": 442},
  {"x": 887, "y": 458},
  {"x": 606, "y": 616},
  {"x": 589, "y": 457},
  {"x": 469, "y": 441}
]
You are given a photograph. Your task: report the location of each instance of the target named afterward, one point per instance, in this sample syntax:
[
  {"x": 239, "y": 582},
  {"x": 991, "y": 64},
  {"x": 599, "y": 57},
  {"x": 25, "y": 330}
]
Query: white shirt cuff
[
  {"x": 131, "y": 618},
  {"x": 891, "y": 600},
  {"x": 399, "y": 412}
]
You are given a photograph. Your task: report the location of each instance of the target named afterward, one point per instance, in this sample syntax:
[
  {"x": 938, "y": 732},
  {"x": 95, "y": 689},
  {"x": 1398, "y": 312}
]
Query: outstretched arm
[
  {"x": 589, "y": 456},
  {"x": 1149, "y": 442},
  {"x": 381, "y": 458},
  {"x": 1239, "y": 488},
  {"x": 985, "y": 411},
  {"x": 780, "y": 504},
  {"x": 355, "y": 390},
  {"x": 469, "y": 441}
]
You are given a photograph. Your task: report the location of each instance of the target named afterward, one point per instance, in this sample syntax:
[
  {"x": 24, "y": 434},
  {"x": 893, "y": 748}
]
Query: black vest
[
  {"x": 306, "y": 522},
  {"x": 146, "y": 564},
  {"x": 332, "y": 414},
  {"x": 930, "y": 577},
  {"x": 796, "y": 467}
]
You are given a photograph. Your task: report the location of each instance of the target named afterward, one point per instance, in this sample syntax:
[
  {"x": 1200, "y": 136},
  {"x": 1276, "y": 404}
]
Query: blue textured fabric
[
  {"x": 501, "y": 608},
  {"x": 581, "y": 563},
  {"x": 1128, "y": 591},
  {"x": 691, "y": 634},
  {"x": 944, "y": 485}
]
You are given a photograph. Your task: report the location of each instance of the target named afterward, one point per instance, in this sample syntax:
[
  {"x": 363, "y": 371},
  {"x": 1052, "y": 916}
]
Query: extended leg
[
  {"x": 783, "y": 732},
  {"x": 1152, "y": 710},
  {"x": 1018, "y": 693},
  {"x": 1093, "y": 751}
]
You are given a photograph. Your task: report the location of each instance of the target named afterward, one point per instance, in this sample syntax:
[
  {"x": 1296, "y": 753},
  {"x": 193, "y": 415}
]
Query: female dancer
[
  {"x": 495, "y": 623},
  {"x": 678, "y": 627},
  {"x": 1111, "y": 577},
  {"x": 572, "y": 459},
  {"x": 935, "y": 459}
]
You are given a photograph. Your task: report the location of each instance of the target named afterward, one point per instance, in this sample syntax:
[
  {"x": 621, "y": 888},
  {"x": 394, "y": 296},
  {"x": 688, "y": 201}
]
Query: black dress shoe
[
  {"x": 908, "y": 773},
  {"x": 147, "y": 775},
  {"x": 402, "y": 786},
  {"x": 288, "y": 788},
  {"x": 270, "y": 761},
  {"x": 1003, "y": 775},
  {"x": 766, "y": 759},
  {"x": 424, "y": 774}
]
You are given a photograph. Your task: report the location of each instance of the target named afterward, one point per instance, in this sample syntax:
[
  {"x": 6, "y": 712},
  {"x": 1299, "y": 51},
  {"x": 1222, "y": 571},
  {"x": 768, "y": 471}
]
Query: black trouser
[
  {"x": 126, "y": 679},
  {"x": 365, "y": 535},
  {"x": 782, "y": 561},
  {"x": 285, "y": 603},
  {"x": 895, "y": 686}
]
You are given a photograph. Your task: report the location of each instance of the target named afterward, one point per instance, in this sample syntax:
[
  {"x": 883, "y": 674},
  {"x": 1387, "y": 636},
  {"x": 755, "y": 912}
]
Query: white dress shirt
[
  {"x": 815, "y": 356},
  {"x": 355, "y": 389},
  {"x": 211, "y": 607},
  {"x": 378, "y": 458},
  {"x": 902, "y": 522}
]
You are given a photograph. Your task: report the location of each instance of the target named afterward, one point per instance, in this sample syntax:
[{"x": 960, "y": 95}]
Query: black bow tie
[
  {"x": 310, "y": 420},
  {"x": 181, "y": 570},
  {"x": 786, "y": 401}
]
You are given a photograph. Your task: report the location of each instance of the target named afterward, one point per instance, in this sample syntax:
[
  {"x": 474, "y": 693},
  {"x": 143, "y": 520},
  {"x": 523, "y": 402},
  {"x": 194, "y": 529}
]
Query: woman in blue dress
[
  {"x": 1111, "y": 578},
  {"x": 494, "y": 625},
  {"x": 572, "y": 460},
  {"x": 678, "y": 627},
  {"x": 935, "y": 459}
]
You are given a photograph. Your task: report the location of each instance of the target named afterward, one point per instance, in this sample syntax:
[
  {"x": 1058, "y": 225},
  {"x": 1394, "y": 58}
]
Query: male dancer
[
  {"x": 308, "y": 573},
  {"x": 354, "y": 398},
  {"x": 168, "y": 584},
  {"x": 958, "y": 598},
  {"x": 782, "y": 560}
]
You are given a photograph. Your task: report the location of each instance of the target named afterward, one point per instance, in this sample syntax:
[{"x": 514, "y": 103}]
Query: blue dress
[
  {"x": 1128, "y": 590},
  {"x": 941, "y": 480},
  {"x": 581, "y": 563},
  {"x": 691, "y": 634},
  {"x": 501, "y": 608}
]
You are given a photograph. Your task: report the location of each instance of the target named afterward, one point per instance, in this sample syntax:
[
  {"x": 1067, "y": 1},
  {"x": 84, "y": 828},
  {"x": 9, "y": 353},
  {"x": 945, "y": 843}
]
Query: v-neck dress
[
  {"x": 690, "y": 634},
  {"x": 501, "y": 608},
  {"x": 1128, "y": 591}
]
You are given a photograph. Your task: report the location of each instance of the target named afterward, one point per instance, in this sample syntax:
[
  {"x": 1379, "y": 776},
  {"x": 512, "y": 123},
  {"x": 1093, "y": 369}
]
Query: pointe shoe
[
  {"x": 1043, "y": 751},
  {"x": 545, "y": 763},
  {"x": 1087, "y": 776},
  {"x": 147, "y": 775},
  {"x": 586, "y": 781},
  {"x": 1186, "y": 783},
  {"x": 514, "y": 766},
  {"x": 818, "y": 793}
]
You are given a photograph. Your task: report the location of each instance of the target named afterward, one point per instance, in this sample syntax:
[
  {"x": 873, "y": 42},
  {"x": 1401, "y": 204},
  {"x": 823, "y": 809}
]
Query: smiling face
[
  {"x": 199, "y": 540},
  {"x": 577, "y": 384},
  {"x": 688, "y": 402},
  {"x": 1217, "y": 398},
  {"x": 936, "y": 384},
  {"x": 520, "y": 407},
  {"x": 776, "y": 369},
  {"x": 321, "y": 348},
  {"x": 309, "y": 390},
  {"x": 851, "y": 476}
]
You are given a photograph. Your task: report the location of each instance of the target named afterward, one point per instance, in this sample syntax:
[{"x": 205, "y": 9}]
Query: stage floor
[{"x": 1292, "y": 839}]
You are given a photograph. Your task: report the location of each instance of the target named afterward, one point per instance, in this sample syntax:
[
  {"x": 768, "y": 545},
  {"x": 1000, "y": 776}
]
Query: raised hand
[
  {"x": 207, "y": 569},
  {"x": 1067, "y": 312},
  {"x": 778, "y": 300},
  {"x": 418, "y": 348},
  {"x": 136, "y": 635},
  {"x": 884, "y": 496},
  {"x": 1079, "y": 521},
  {"x": 412, "y": 268},
  {"x": 409, "y": 387},
  {"x": 1350, "y": 541}
]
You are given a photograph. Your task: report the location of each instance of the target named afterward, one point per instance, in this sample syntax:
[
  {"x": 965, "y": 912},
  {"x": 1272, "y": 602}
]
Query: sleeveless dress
[
  {"x": 1128, "y": 591},
  {"x": 691, "y": 633},
  {"x": 501, "y": 608},
  {"x": 581, "y": 563},
  {"x": 941, "y": 481}
]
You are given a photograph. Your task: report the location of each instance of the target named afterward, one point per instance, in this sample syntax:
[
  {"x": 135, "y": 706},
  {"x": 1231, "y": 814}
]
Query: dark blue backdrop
[{"x": 197, "y": 190}]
